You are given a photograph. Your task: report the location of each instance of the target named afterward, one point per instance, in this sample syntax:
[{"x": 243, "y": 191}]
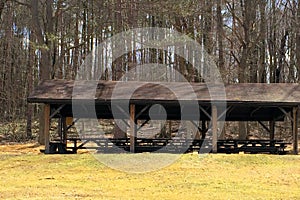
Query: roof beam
[
  {"x": 264, "y": 126},
  {"x": 286, "y": 113},
  {"x": 196, "y": 125},
  {"x": 143, "y": 110},
  {"x": 123, "y": 111},
  {"x": 70, "y": 126},
  {"x": 256, "y": 109},
  {"x": 205, "y": 112},
  {"x": 224, "y": 112},
  {"x": 57, "y": 111},
  {"x": 143, "y": 124}
]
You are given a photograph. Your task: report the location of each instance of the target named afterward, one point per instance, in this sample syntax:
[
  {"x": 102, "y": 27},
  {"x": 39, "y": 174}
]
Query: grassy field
[{"x": 27, "y": 174}]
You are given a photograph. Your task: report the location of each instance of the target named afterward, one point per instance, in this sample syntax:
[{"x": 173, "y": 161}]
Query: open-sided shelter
[{"x": 243, "y": 102}]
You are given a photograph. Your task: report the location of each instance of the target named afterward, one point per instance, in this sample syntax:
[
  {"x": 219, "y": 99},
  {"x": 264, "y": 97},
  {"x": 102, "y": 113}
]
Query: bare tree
[
  {"x": 251, "y": 41},
  {"x": 298, "y": 41}
]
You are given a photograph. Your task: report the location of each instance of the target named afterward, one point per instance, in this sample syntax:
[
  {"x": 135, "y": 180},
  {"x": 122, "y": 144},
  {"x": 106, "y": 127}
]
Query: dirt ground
[
  {"x": 21, "y": 148},
  {"x": 25, "y": 173}
]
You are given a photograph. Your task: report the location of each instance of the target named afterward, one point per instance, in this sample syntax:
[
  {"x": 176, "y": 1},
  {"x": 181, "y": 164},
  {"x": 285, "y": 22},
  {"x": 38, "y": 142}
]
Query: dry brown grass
[{"x": 27, "y": 174}]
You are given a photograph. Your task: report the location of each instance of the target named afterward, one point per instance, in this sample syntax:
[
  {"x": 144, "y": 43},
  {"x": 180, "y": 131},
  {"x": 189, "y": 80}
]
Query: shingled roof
[{"x": 61, "y": 91}]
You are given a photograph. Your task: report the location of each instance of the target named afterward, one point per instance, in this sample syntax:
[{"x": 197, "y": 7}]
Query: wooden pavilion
[{"x": 243, "y": 102}]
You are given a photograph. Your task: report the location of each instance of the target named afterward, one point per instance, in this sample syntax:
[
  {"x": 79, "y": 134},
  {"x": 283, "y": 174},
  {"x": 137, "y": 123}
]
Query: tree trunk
[
  {"x": 207, "y": 34},
  {"x": 45, "y": 60},
  {"x": 272, "y": 43},
  {"x": 8, "y": 63},
  {"x": 298, "y": 42},
  {"x": 76, "y": 44},
  {"x": 262, "y": 74},
  {"x": 280, "y": 77},
  {"x": 248, "y": 57},
  {"x": 220, "y": 33},
  {"x": 2, "y": 4},
  {"x": 117, "y": 65},
  {"x": 30, "y": 65}
]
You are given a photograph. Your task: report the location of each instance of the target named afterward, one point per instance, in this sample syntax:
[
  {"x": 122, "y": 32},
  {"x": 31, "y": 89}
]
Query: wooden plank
[
  {"x": 47, "y": 127},
  {"x": 295, "y": 130},
  {"x": 132, "y": 128},
  {"x": 214, "y": 129}
]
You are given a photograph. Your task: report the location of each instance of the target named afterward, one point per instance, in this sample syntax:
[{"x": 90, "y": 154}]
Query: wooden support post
[
  {"x": 59, "y": 128},
  {"x": 223, "y": 131},
  {"x": 170, "y": 129},
  {"x": 214, "y": 115},
  {"x": 295, "y": 130},
  {"x": 64, "y": 132},
  {"x": 47, "y": 127},
  {"x": 132, "y": 128},
  {"x": 204, "y": 129},
  {"x": 272, "y": 129}
]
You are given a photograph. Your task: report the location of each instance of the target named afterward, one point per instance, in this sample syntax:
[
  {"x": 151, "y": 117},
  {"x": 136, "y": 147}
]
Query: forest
[{"x": 255, "y": 41}]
